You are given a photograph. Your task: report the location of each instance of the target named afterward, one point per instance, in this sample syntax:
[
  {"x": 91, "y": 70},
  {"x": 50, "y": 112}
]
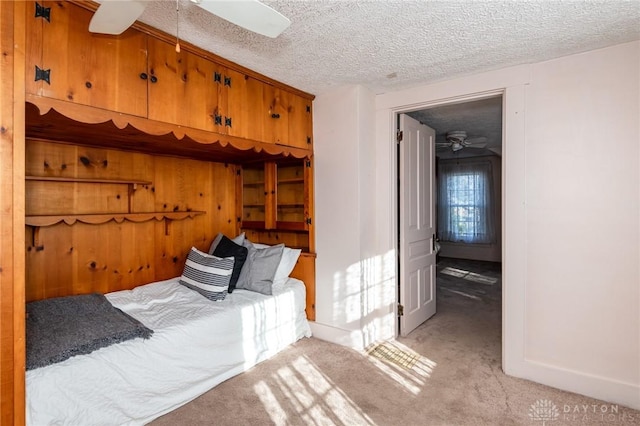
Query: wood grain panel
[
  {"x": 81, "y": 258},
  {"x": 34, "y": 50},
  {"x": 92, "y": 69},
  {"x": 300, "y": 123},
  {"x": 12, "y": 116},
  {"x": 249, "y": 117},
  {"x": 305, "y": 270},
  {"x": 276, "y": 103},
  {"x": 182, "y": 88}
]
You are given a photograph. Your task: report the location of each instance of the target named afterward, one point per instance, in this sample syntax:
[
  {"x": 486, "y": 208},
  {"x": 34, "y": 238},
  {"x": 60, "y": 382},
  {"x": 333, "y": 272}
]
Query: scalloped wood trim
[
  {"x": 100, "y": 218},
  {"x": 101, "y": 118}
]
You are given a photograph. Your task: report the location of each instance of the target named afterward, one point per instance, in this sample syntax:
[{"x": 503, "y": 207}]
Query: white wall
[
  {"x": 583, "y": 150},
  {"x": 571, "y": 229},
  {"x": 353, "y": 301}
]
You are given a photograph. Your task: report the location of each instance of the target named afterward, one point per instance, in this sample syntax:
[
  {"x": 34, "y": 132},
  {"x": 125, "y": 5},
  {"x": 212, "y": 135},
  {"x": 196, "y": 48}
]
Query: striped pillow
[{"x": 206, "y": 274}]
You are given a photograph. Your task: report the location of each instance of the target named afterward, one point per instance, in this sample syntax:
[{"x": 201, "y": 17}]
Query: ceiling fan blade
[
  {"x": 249, "y": 14},
  {"x": 477, "y": 145},
  {"x": 477, "y": 140},
  {"x": 114, "y": 17},
  {"x": 443, "y": 144}
]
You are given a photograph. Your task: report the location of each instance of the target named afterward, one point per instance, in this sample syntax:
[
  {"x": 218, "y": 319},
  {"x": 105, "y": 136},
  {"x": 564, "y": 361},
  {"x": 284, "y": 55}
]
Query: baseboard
[
  {"x": 605, "y": 389},
  {"x": 350, "y": 338}
]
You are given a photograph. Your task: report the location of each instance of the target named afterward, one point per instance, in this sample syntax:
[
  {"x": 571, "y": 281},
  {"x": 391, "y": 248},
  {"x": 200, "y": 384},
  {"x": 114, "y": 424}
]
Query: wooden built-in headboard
[
  {"x": 102, "y": 240},
  {"x": 102, "y": 220}
]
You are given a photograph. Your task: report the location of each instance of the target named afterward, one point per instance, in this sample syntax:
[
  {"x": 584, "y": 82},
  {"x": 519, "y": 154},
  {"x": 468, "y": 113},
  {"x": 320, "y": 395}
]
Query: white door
[{"x": 417, "y": 224}]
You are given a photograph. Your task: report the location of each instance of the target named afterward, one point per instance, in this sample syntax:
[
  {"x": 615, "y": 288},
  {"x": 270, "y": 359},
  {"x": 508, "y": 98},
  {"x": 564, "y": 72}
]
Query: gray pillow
[{"x": 260, "y": 268}]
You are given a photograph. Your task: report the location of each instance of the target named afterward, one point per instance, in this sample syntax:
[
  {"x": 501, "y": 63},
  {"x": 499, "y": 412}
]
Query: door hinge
[
  {"x": 43, "y": 75},
  {"x": 43, "y": 12},
  {"x": 399, "y": 136},
  {"x": 308, "y": 221},
  {"x": 400, "y": 310},
  {"x": 308, "y": 163}
]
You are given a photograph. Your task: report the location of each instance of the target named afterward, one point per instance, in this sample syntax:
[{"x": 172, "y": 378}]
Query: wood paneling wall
[
  {"x": 81, "y": 258},
  {"x": 12, "y": 98}
]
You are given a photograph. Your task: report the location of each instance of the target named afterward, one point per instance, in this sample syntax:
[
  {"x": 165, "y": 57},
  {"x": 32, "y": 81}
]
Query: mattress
[{"x": 196, "y": 345}]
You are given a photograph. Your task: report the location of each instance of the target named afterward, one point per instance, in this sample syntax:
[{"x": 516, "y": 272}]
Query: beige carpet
[{"x": 447, "y": 372}]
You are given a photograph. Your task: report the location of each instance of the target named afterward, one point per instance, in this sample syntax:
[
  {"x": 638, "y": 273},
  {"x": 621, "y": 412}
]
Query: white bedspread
[{"x": 196, "y": 345}]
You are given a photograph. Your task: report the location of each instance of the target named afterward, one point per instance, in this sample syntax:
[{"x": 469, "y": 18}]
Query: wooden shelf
[
  {"x": 132, "y": 184},
  {"x": 294, "y": 205},
  {"x": 100, "y": 218},
  {"x": 87, "y": 180},
  {"x": 290, "y": 180}
]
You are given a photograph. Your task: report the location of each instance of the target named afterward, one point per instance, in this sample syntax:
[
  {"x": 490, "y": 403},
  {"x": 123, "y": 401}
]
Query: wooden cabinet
[
  {"x": 245, "y": 107},
  {"x": 288, "y": 118},
  {"x": 186, "y": 89},
  {"x": 139, "y": 74},
  {"x": 276, "y": 196},
  {"x": 254, "y": 196},
  {"x": 67, "y": 62}
]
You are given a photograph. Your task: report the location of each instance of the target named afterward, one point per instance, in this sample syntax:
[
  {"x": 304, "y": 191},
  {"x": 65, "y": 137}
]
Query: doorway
[{"x": 480, "y": 120}]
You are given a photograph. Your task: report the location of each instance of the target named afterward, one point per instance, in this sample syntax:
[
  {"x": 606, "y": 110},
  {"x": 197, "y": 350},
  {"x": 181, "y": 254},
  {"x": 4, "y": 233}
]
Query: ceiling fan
[
  {"x": 456, "y": 140},
  {"x": 114, "y": 17}
]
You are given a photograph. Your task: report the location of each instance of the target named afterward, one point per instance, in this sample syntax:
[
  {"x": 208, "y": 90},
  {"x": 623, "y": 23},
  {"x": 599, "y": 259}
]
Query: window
[{"x": 465, "y": 202}]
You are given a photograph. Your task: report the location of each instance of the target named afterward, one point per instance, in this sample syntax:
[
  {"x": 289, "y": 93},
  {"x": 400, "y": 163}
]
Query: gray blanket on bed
[{"x": 60, "y": 328}]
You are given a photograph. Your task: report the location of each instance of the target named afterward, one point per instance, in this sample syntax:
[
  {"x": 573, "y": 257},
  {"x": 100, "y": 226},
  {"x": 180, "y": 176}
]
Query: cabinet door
[
  {"x": 254, "y": 197},
  {"x": 89, "y": 69},
  {"x": 300, "y": 123},
  {"x": 244, "y": 105},
  {"x": 288, "y": 118},
  {"x": 33, "y": 54},
  {"x": 276, "y": 103},
  {"x": 291, "y": 190},
  {"x": 184, "y": 88}
]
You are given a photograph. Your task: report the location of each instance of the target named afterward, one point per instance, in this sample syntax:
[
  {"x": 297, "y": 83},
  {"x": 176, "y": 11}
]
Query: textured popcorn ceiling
[{"x": 388, "y": 45}]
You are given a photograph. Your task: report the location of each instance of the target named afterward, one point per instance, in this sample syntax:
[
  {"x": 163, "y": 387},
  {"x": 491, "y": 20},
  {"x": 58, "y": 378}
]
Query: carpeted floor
[{"x": 447, "y": 372}]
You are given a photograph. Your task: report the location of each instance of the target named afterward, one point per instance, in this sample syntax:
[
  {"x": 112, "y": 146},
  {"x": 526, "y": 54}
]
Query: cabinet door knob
[
  {"x": 88, "y": 84},
  {"x": 275, "y": 115},
  {"x": 143, "y": 75},
  {"x": 153, "y": 79}
]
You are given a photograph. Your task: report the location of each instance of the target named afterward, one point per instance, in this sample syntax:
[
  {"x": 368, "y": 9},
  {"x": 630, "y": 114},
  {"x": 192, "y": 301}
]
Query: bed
[{"x": 196, "y": 344}]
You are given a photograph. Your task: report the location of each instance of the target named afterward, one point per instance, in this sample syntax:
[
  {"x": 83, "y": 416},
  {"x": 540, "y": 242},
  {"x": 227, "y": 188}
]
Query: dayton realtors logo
[{"x": 544, "y": 411}]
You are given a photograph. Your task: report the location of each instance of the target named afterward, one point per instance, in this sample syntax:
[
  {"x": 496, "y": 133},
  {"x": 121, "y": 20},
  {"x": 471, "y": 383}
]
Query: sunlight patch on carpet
[
  {"x": 390, "y": 353},
  {"x": 461, "y": 293},
  {"x": 469, "y": 276},
  {"x": 400, "y": 363},
  {"x": 302, "y": 388}
]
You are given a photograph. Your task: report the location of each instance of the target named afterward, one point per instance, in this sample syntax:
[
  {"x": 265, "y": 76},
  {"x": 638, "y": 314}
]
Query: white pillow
[{"x": 287, "y": 262}]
